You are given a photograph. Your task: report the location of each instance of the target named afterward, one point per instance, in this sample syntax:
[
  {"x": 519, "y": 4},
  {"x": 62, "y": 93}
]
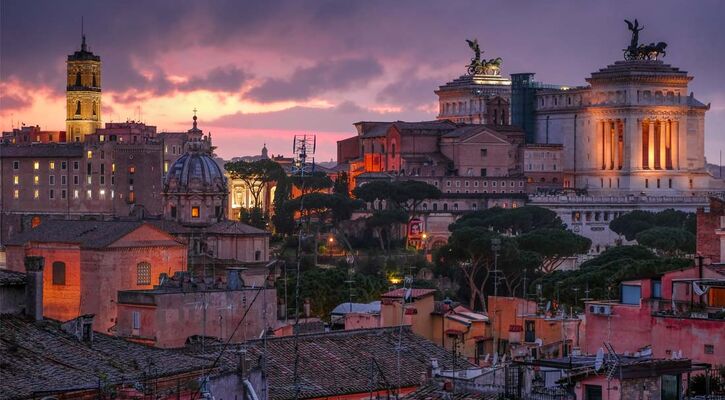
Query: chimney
[
  {"x": 34, "y": 288},
  {"x": 234, "y": 279},
  {"x": 306, "y": 307},
  {"x": 281, "y": 309}
]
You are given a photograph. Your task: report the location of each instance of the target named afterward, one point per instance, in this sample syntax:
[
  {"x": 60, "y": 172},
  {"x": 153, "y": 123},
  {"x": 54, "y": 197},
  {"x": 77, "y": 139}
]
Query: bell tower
[{"x": 83, "y": 93}]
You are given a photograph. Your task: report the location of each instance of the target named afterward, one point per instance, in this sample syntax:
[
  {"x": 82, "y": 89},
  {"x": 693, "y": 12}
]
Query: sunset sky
[{"x": 261, "y": 71}]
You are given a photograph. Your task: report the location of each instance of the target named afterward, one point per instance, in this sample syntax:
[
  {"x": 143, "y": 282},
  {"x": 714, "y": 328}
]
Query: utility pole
[{"x": 495, "y": 246}]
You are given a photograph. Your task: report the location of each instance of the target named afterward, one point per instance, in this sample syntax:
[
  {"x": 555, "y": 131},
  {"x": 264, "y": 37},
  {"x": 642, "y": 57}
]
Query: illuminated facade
[
  {"x": 83, "y": 94},
  {"x": 634, "y": 130},
  {"x": 475, "y": 99}
]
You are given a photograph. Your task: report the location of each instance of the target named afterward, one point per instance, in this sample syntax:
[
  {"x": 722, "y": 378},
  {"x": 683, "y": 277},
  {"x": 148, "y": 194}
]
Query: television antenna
[{"x": 303, "y": 147}]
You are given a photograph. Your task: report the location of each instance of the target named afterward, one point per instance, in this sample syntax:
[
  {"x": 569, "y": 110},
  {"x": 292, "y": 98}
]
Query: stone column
[
  {"x": 662, "y": 149},
  {"x": 607, "y": 134},
  {"x": 668, "y": 144},
  {"x": 651, "y": 144},
  {"x": 615, "y": 144},
  {"x": 632, "y": 144},
  {"x": 675, "y": 144},
  {"x": 599, "y": 139}
]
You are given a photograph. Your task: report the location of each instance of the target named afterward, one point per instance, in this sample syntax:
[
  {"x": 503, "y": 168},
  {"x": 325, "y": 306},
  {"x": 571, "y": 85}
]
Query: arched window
[
  {"x": 143, "y": 273},
  {"x": 35, "y": 221},
  {"x": 78, "y": 107},
  {"x": 445, "y": 206},
  {"x": 95, "y": 108},
  {"x": 78, "y": 78},
  {"x": 435, "y": 206},
  {"x": 257, "y": 255},
  {"x": 59, "y": 273},
  {"x": 94, "y": 80}
]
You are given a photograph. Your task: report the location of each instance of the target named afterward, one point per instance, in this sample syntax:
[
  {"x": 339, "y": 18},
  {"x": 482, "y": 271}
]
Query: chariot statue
[
  {"x": 637, "y": 51},
  {"x": 481, "y": 66}
]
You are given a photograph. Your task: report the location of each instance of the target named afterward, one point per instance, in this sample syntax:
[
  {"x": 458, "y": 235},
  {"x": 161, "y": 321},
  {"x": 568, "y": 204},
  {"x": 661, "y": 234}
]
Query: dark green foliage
[
  {"x": 512, "y": 220},
  {"x": 634, "y": 222},
  {"x": 283, "y": 218},
  {"x": 342, "y": 184},
  {"x": 405, "y": 195},
  {"x": 671, "y": 241},
  {"x": 698, "y": 383},
  {"x": 326, "y": 289},
  {"x": 553, "y": 245},
  {"x": 254, "y": 217},
  {"x": 603, "y": 274},
  {"x": 314, "y": 182}
]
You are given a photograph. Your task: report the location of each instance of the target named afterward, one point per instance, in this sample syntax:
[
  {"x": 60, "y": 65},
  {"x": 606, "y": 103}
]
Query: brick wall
[{"x": 708, "y": 243}]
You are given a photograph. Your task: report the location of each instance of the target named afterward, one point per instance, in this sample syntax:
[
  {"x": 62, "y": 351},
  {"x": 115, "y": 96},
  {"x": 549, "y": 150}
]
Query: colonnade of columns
[
  {"x": 619, "y": 142},
  {"x": 610, "y": 133},
  {"x": 660, "y": 144}
]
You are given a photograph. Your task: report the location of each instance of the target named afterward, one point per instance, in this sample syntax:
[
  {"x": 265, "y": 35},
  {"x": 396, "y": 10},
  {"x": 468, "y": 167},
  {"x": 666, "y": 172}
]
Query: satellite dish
[{"x": 599, "y": 361}]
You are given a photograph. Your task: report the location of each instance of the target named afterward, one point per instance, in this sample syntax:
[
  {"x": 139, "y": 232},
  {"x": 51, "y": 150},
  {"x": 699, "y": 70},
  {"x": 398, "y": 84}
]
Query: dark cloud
[
  {"x": 14, "y": 102},
  {"x": 318, "y": 79},
  {"x": 334, "y": 119},
  {"x": 410, "y": 91},
  {"x": 222, "y": 79}
]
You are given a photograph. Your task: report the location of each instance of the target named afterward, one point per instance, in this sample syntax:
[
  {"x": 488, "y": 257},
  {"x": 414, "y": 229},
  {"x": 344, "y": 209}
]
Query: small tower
[{"x": 83, "y": 93}]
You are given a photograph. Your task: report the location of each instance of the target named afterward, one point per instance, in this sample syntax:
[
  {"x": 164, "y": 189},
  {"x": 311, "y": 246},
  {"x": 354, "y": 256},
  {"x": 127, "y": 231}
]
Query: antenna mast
[{"x": 303, "y": 147}]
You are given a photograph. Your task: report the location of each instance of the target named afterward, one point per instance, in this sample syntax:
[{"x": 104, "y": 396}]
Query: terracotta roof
[
  {"x": 433, "y": 392},
  {"x": 415, "y": 293},
  {"x": 339, "y": 363},
  {"x": 40, "y": 357},
  {"x": 10, "y": 278},
  {"x": 220, "y": 228},
  {"x": 88, "y": 234}
]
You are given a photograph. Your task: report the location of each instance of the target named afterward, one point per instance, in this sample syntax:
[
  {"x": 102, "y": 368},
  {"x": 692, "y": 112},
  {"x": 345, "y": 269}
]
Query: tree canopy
[
  {"x": 634, "y": 222},
  {"x": 603, "y": 274},
  {"x": 671, "y": 241},
  {"x": 255, "y": 175},
  {"x": 533, "y": 241}
]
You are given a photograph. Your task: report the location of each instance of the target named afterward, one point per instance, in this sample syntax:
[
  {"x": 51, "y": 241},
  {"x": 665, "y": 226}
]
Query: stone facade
[
  {"x": 635, "y": 129},
  {"x": 81, "y": 275},
  {"x": 543, "y": 167},
  {"x": 83, "y": 93},
  {"x": 172, "y": 316},
  {"x": 475, "y": 99}
]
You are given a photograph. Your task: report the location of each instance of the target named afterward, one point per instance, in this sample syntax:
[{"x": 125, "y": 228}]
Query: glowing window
[
  {"x": 195, "y": 212},
  {"x": 51, "y": 164},
  {"x": 132, "y": 169},
  {"x": 166, "y": 166},
  {"x": 36, "y": 194},
  {"x": 16, "y": 180},
  {"x": 143, "y": 273},
  {"x": 89, "y": 194},
  {"x": 89, "y": 155},
  {"x": 36, "y": 165},
  {"x": 36, "y": 179},
  {"x": 16, "y": 193}
]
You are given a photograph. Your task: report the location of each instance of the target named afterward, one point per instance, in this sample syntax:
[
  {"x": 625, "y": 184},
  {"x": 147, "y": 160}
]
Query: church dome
[{"x": 195, "y": 171}]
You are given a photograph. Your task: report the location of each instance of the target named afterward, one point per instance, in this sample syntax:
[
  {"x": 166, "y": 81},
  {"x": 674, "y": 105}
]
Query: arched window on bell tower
[
  {"x": 95, "y": 108},
  {"x": 78, "y": 78},
  {"x": 78, "y": 107},
  {"x": 94, "y": 80}
]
